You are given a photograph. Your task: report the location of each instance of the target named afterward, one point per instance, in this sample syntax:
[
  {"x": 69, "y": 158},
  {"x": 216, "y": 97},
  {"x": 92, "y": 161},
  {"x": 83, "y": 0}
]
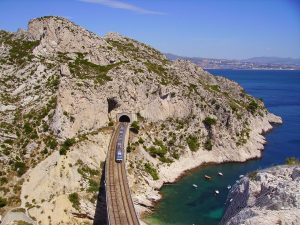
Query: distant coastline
[
  {"x": 273, "y": 69},
  {"x": 257, "y": 63}
]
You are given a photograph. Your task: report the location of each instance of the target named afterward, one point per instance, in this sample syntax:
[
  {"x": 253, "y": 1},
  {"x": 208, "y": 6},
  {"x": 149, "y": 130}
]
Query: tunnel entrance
[{"x": 124, "y": 119}]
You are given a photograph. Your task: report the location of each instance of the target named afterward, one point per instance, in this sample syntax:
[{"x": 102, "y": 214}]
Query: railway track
[{"x": 120, "y": 208}]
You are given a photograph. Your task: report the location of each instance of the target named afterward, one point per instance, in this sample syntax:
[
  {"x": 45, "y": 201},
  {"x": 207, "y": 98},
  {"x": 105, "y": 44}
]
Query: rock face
[
  {"x": 270, "y": 196},
  {"x": 62, "y": 86}
]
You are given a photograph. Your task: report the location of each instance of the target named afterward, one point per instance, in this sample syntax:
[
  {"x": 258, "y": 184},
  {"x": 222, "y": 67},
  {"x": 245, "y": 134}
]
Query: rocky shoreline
[
  {"x": 270, "y": 196},
  {"x": 146, "y": 202}
]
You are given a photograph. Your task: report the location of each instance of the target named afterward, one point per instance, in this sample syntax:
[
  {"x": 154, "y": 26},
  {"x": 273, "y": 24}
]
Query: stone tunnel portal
[{"x": 124, "y": 118}]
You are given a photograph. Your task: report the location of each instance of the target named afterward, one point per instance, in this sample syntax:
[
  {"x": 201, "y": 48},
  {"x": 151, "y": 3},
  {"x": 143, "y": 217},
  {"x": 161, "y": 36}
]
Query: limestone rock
[
  {"x": 270, "y": 196},
  {"x": 67, "y": 85}
]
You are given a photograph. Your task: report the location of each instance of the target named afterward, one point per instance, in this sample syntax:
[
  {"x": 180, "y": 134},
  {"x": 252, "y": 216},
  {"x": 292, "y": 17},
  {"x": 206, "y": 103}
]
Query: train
[{"x": 120, "y": 144}]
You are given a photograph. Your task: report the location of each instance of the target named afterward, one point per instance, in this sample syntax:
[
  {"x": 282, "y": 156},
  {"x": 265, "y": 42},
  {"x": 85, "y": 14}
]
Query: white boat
[
  {"x": 228, "y": 187},
  {"x": 217, "y": 192},
  {"x": 241, "y": 176},
  {"x": 207, "y": 177},
  {"x": 195, "y": 185},
  {"x": 230, "y": 200},
  {"x": 220, "y": 174}
]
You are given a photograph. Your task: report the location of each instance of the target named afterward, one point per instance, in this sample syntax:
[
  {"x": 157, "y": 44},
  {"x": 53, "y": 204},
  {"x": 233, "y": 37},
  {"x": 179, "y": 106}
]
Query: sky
[{"x": 231, "y": 29}]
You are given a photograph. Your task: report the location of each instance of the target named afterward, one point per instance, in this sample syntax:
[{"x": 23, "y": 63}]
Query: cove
[{"x": 183, "y": 204}]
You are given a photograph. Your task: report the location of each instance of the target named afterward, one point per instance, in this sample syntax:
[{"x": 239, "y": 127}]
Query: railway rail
[{"x": 120, "y": 208}]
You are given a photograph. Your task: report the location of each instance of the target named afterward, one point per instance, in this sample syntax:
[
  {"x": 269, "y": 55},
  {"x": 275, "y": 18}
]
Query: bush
[
  {"x": 135, "y": 127},
  {"x": 20, "y": 167},
  {"x": 151, "y": 170},
  {"x": 84, "y": 69},
  {"x": 51, "y": 143},
  {"x": 209, "y": 121},
  {"x": 3, "y": 202},
  {"x": 157, "y": 151},
  {"x": 292, "y": 161},
  {"x": 93, "y": 186},
  {"x": 252, "y": 175},
  {"x": 160, "y": 150},
  {"x": 208, "y": 145},
  {"x": 252, "y": 106},
  {"x": 27, "y": 128},
  {"x": 74, "y": 199},
  {"x": 141, "y": 140},
  {"x": 66, "y": 145},
  {"x": 193, "y": 143}
]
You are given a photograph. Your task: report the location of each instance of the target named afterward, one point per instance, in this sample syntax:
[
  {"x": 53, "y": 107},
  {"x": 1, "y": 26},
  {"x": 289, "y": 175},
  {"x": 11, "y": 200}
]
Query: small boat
[
  {"x": 207, "y": 177},
  {"x": 228, "y": 187},
  {"x": 217, "y": 192},
  {"x": 241, "y": 176},
  {"x": 220, "y": 174},
  {"x": 195, "y": 185},
  {"x": 230, "y": 200}
]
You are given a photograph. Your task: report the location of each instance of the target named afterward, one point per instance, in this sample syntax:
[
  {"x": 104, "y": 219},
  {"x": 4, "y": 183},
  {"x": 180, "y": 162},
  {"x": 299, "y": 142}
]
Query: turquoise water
[{"x": 182, "y": 204}]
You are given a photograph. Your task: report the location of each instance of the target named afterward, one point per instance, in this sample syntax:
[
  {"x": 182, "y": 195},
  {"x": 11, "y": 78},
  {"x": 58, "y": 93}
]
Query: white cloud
[{"x": 122, "y": 5}]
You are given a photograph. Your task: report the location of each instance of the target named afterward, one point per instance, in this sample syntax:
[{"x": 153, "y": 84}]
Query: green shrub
[
  {"x": 175, "y": 155},
  {"x": 20, "y": 50},
  {"x": 141, "y": 140},
  {"x": 156, "y": 151},
  {"x": 208, "y": 145},
  {"x": 66, "y": 145},
  {"x": 292, "y": 161},
  {"x": 160, "y": 150},
  {"x": 83, "y": 69},
  {"x": 51, "y": 143},
  {"x": 152, "y": 171},
  {"x": 74, "y": 199},
  {"x": 252, "y": 175},
  {"x": 27, "y": 128},
  {"x": 215, "y": 88},
  {"x": 193, "y": 143},
  {"x": 130, "y": 148},
  {"x": 252, "y": 106},
  {"x": 209, "y": 121},
  {"x": 135, "y": 127},
  {"x": 93, "y": 186},
  {"x": 20, "y": 168},
  {"x": 3, "y": 202}
]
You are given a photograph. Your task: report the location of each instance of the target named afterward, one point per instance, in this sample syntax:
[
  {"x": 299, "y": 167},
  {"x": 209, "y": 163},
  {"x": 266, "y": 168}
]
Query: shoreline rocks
[{"x": 269, "y": 196}]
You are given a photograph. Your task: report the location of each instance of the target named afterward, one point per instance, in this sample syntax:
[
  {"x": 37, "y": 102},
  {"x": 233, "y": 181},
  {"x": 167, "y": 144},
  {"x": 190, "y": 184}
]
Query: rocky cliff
[
  {"x": 61, "y": 88},
  {"x": 270, "y": 196}
]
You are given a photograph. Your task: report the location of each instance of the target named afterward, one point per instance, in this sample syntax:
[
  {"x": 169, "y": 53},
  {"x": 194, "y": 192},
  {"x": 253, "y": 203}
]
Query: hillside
[{"x": 61, "y": 88}]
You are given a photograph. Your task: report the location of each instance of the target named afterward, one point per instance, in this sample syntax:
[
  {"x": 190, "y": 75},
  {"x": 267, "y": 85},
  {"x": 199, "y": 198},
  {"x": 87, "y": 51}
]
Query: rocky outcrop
[
  {"x": 62, "y": 86},
  {"x": 270, "y": 196}
]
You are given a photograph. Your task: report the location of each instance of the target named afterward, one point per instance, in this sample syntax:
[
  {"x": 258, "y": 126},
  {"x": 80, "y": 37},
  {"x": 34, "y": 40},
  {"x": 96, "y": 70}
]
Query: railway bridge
[{"x": 120, "y": 208}]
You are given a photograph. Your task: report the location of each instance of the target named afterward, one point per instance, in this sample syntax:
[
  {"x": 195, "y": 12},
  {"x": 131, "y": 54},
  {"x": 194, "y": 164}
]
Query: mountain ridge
[{"x": 57, "y": 83}]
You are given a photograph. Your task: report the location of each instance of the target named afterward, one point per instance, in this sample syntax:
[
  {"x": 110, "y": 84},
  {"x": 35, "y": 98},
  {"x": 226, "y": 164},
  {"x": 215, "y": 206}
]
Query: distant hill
[
  {"x": 273, "y": 60},
  {"x": 251, "y": 63}
]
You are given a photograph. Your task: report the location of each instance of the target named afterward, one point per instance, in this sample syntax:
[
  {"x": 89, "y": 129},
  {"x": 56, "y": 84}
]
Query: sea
[{"x": 182, "y": 204}]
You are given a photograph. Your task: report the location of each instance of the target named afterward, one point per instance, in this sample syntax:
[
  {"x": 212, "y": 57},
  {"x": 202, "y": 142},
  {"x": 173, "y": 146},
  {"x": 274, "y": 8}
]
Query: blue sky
[{"x": 234, "y": 29}]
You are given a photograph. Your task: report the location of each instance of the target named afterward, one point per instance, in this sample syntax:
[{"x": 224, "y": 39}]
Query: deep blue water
[{"x": 182, "y": 204}]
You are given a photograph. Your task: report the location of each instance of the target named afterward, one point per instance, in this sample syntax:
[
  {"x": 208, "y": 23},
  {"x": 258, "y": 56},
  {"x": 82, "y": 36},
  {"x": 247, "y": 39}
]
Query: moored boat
[{"x": 207, "y": 177}]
